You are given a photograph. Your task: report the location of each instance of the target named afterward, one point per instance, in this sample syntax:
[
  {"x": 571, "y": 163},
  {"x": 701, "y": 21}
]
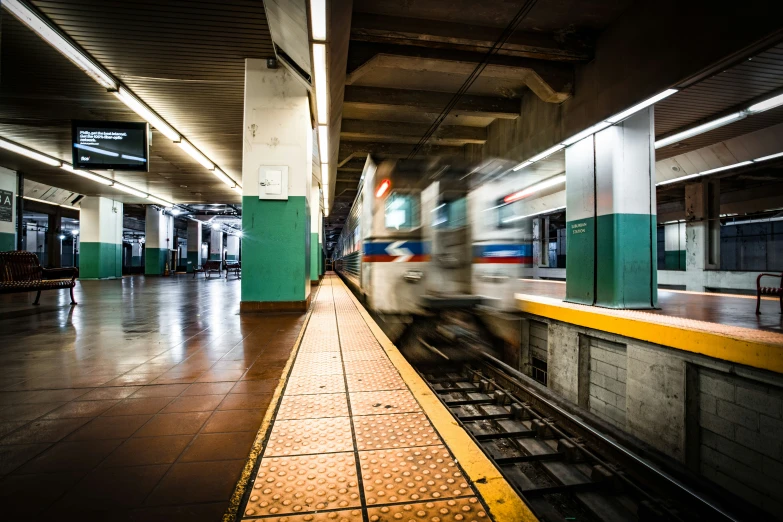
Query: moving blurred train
[{"x": 433, "y": 243}]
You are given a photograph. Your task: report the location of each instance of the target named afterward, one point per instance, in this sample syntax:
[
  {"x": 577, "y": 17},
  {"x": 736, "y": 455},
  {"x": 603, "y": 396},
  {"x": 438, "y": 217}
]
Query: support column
[
  {"x": 194, "y": 245},
  {"x": 137, "y": 251},
  {"x": 232, "y": 248},
  {"x": 216, "y": 245},
  {"x": 315, "y": 242},
  {"x": 159, "y": 239},
  {"x": 8, "y": 206},
  {"x": 54, "y": 257},
  {"x": 276, "y": 233},
  {"x": 702, "y": 232},
  {"x": 610, "y": 203},
  {"x": 100, "y": 231},
  {"x": 320, "y": 242}
]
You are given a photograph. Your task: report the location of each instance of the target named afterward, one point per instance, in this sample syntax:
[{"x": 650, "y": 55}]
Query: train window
[
  {"x": 509, "y": 214},
  {"x": 402, "y": 211},
  {"x": 451, "y": 214}
]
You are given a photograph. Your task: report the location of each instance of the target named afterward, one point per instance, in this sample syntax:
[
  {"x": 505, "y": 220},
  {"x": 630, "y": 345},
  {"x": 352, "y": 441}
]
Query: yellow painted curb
[
  {"x": 504, "y": 504},
  {"x": 757, "y": 354},
  {"x": 258, "y": 444}
]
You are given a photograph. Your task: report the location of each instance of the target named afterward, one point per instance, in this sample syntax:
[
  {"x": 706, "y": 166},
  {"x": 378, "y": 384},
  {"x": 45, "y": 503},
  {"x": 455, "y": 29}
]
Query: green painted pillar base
[
  {"x": 100, "y": 260},
  {"x": 7, "y": 242},
  {"x": 276, "y": 255},
  {"x": 214, "y": 257},
  {"x": 315, "y": 257},
  {"x": 192, "y": 261},
  {"x": 580, "y": 268},
  {"x": 155, "y": 261}
]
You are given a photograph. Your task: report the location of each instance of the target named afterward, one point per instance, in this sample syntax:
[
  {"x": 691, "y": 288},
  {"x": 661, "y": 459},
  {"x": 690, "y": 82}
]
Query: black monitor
[{"x": 104, "y": 145}]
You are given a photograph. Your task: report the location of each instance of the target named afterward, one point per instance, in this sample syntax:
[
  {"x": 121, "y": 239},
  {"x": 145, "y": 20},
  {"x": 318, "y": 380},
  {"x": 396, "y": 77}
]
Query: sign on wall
[{"x": 6, "y": 205}]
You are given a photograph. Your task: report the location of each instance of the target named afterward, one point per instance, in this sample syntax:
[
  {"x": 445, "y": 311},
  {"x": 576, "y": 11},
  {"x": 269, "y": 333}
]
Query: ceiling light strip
[
  {"x": 608, "y": 122},
  {"x": 53, "y": 203},
  {"x": 58, "y": 39},
  {"x": 720, "y": 169}
]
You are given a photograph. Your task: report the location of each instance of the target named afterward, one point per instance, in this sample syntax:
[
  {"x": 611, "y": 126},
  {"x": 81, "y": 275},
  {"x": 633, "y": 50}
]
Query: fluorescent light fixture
[
  {"x": 318, "y": 19},
  {"x": 130, "y": 190},
  {"x": 321, "y": 94},
  {"x": 75, "y": 232},
  {"x": 24, "y": 151},
  {"x": 639, "y": 106},
  {"x": 766, "y": 105},
  {"x": 538, "y": 187},
  {"x": 325, "y": 174},
  {"x": 238, "y": 190},
  {"x": 522, "y": 165},
  {"x": 196, "y": 154},
  {"x": 160, "y": 201},
  {"x": 771, "y": 156},
  {"x": 46, "y": 31},
  {"x": 517, "y": 218},
  {"x": 53, "y": 203},
  {"x": 701, "y": 129},
  {"x": 538, "y": 157},
  {"x": 175, "y": 211},
  {"x": 61, "y": 236},
  {"x": 587, "y": 132},
  {"x": 704, "y": 173},
  {"x": 88, "y": 175},
  {"x": 141, "y": 108},
  {"x": 223, "y": 177},
  {"x": 215, "y": 226},
  {"x": 323, "y": 141}
]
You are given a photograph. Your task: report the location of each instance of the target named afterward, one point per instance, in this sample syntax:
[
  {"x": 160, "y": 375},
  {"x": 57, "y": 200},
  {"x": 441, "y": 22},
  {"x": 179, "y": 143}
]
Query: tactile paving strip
[
  {"x": 364, "y": 355},
  {"x": 312, "y": 384},
  {"x": 306, "y": 436},
  {"x": 306, "y": 483},
  {"x": 313, "y": 406},
  {"x": 360, "y": 382},
  {"x": 348, "y": 515},
  {"x": 411, "y": 474},
  {"x": 305, "y": 368},
  {"x": 378, "y": 365},
  {"x": 382, "y": 402},
  {"x": 394, "y": 431},
  {"x": 460, "y": 509}
]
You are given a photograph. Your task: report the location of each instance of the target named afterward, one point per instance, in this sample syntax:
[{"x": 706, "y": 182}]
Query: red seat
[
  {"x": 775, "y": 291},
  {"x": 20, "y": 271}
]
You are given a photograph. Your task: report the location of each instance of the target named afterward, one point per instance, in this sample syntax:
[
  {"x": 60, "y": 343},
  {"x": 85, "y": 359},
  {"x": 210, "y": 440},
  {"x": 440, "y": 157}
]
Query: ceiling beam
[
  {"x": 551, "y": 81},
  {"x": 575, "y": 47},
  {"x": 394, "y": 150},
  {"x": 403, "y": 132},
  {"x": 371, "y": 97}
]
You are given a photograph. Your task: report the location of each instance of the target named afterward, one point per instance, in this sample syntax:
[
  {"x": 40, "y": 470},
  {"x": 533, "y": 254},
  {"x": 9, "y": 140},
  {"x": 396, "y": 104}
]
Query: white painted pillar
[
  {"x": 159, "y": 241},
  {"x": 232, "y": 248},
  {"x": 194, "y": 245},
  {"x": 216, "y": 245},
  {"x": 100, "y": 234}
]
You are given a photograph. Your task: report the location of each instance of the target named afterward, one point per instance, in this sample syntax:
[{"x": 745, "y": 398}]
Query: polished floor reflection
[{"x": 140, "y": 403}]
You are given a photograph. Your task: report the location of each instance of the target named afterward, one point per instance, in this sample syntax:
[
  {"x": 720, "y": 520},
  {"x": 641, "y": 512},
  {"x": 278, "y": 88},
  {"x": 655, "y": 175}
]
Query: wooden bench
[
  {"x": 769, "y": 290},
  {"x": 21, "y": 272},
  {"x": 234, "y": 266},
  {"x": 207, "y": 267}
]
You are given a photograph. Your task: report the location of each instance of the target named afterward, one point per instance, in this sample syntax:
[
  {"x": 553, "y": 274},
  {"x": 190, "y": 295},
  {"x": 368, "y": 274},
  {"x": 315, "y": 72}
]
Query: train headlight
[{"x": 413, "y": 276}]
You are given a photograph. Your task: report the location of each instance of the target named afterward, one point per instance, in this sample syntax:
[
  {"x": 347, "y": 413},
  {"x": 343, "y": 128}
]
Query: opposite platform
[{"x": 357, "y": 435}]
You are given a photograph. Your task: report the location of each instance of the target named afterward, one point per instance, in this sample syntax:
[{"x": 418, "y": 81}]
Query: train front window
[
  {"x": 451, "y": 214},
  {"x": 509, "y": 214},
  {"x": 401, "y": 211}
]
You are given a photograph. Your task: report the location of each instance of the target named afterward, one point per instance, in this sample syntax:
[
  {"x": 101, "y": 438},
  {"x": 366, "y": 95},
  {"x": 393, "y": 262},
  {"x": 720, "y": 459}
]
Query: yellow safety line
[
  {"x": 504, "y": 504},
  {"x": 258, "y": 444},
  {"x": 757, "y": 354}
]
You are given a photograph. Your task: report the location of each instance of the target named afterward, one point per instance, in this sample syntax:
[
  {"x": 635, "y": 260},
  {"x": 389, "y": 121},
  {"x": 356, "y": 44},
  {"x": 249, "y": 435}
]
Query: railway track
[{"x": 564, "y": 468}]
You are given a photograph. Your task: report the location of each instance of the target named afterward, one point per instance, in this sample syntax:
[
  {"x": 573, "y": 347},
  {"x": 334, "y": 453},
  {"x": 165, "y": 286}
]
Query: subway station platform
[
  {"x": 356, "y": 434},
  {"x": 721, "y": 326}
]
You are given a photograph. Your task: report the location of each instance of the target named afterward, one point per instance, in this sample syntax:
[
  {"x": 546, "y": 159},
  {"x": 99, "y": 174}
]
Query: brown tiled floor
[{"x": 141, "y": 403}]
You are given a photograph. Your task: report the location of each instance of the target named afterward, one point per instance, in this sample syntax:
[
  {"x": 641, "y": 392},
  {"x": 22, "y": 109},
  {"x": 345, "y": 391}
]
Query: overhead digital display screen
[{"x": 104, "y": 145}]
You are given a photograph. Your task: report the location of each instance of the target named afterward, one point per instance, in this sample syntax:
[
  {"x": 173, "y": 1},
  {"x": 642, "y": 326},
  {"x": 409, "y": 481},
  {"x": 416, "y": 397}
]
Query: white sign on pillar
[{"x": 273, "y": 182}]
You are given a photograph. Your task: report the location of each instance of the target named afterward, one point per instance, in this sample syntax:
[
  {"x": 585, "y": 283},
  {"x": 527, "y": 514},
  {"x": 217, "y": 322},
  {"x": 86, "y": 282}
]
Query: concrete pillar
[
  {"x": 136, "y": 254},
  {"x": 232, "y": 248},
  {"x": 276, "y": 233},
  {"x": 610, "y": 204},
  {"x": 159, "y": 240},
  {"x": 100, "y": 233},
  {"x": 216, "y": 245},
  {"x": 8, "y": 205},
  {"x": 315, "y": 241},
  {"x": 320, "y": 242},
  {"x": 702, "y": 231},
  {"x": 54, "y": 243},
  {"x": 194, "y": 245},
  {"x": 674, "y": 246}
]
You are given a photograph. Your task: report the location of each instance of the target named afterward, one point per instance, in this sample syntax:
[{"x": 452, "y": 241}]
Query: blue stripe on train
[
  {"x": 376, "y": 248},
  {"x": 507, "y": 250}
]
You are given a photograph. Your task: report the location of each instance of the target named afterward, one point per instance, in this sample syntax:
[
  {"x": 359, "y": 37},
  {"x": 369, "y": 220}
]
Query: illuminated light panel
[
  {"x": 321, "y": 93},
  {"x": 160, "y": 201},
  {"x": 382, "y": 188},
  {"x": 40, "y": 26},
  {"x": 325, "y": 174},
  {"x": 538, "y": 157},
  {"x": 587, "y": 132},
  {"x": 130, "y": 190},
  {"x": 222, "y": 176},
  {"x": 88, "y": 175},
  {"x": 771, "y": 156},
  {"x": 701, "y": 129},
  {"x": 323, "y": 141},
  {"x": 140, "y": 108},
  {"x": 551, "y": 182},
  {"x": 766, "y": 105},
  {"x": 238, "y": 190},
  {"x": 639, "y": 106},
  {"x": 54, "y": 204},
  {"x": 318, "y": 19},
  {"x": 704, "y": 173},
  {"x": 196, "y": 154},
  {"x": 24, "y": 151}
]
